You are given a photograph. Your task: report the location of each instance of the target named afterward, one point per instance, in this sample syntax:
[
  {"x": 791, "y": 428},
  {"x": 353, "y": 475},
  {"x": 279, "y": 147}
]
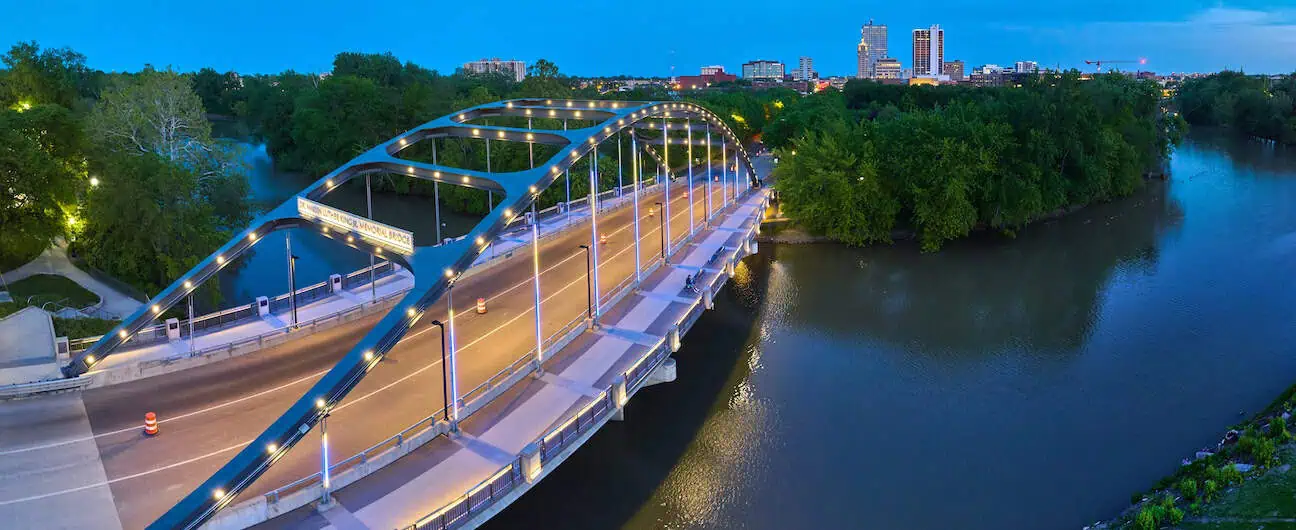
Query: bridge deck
[{"x": 444, "y": 469}]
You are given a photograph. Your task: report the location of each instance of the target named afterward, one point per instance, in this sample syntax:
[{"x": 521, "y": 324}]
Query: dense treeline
[
  {"x": 941, "y": 161},
  {"x": 1255, "y": 106},
  {"x": 122, "y": 166}
]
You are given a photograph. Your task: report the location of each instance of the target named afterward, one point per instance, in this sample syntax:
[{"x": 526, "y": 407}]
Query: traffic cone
[
  {"x": 481, "y": 306},
  {"x": 150, "y": 424}
]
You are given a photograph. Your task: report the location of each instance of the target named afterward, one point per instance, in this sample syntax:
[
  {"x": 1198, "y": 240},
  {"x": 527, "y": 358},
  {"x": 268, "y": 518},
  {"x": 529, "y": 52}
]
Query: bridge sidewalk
[{"x": 441, "y": 471}]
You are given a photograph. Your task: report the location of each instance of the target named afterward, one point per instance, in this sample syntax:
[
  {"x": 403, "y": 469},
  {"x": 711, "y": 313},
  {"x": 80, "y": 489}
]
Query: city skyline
[{"x": 1189, "y": 36}]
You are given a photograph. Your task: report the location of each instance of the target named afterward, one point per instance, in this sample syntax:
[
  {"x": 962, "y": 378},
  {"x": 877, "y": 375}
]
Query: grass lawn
[
  {"x": 43, "y": 288},
  {"x": 1254, "y": 504}
]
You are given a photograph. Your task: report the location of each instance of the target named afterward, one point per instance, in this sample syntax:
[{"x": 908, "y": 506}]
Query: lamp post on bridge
[
  {"x": 445, "y": 374},
  {"x": 292, "y": 281},
  {"x": 589, "y": 290},
  {"x": 665, "y": 259}
]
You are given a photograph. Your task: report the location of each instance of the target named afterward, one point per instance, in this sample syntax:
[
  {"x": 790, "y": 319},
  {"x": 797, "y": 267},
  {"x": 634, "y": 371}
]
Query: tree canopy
[{"x": 1252, "y": 105}]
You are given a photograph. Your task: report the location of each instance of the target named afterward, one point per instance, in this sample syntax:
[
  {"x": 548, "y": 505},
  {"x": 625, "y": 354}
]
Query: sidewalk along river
[
  {"x": 1033, "y": 382},
  {"x": 266, "y": 269}
]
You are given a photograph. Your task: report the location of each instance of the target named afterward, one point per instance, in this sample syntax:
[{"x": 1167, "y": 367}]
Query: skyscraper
[
  {"x": 762, "y": 69},
  {"x": 954, "y": 69},
  {"x": 872, "y": 47},
  {"x": 805, "y": 69},
  {"x": 929, "y": 51}
]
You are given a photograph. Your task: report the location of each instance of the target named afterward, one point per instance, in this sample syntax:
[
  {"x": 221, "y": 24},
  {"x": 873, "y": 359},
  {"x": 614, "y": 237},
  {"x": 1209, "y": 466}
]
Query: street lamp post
[
  {"x": 445, "y": 374},
  {"x": 292, "y": 280},
  {"x": 589, "y": 289},
  {"x": 662, "y": 221}
]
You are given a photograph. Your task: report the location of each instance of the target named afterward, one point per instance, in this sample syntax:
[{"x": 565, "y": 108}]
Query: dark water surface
[{"x": 1033, "y": 382}]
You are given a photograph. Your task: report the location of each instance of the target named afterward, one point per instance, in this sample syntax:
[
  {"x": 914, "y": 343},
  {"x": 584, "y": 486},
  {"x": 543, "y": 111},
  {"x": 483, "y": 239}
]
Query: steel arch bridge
[{"x": 435, "y": 267}]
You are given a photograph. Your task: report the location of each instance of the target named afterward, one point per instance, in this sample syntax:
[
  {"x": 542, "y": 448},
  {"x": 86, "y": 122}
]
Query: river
[{"x": 1033, "y": 382}]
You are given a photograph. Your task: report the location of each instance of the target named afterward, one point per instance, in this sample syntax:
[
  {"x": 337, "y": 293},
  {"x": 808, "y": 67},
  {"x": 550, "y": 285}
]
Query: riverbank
[{"x": 1243, "y": 481}]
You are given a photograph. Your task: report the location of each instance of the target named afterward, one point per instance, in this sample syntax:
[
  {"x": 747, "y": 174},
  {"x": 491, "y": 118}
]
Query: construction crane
[{"x": 1098, "y": 63}]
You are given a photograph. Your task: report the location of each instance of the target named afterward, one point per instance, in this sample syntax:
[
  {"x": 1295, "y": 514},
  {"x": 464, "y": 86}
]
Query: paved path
[
  {"x": 27, "y": 348},
  {"x": 115, "y": 304}
]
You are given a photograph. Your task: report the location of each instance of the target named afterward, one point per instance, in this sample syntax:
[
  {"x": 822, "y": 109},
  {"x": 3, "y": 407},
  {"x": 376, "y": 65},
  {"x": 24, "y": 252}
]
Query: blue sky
[{"x": 640, "y": 38}]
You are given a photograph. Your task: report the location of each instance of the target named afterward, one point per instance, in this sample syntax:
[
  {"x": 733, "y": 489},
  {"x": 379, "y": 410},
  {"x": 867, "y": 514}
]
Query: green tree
[
  {"x": 344, "y": 117},
  {"x": 41, "y": 171},
  {"x": 36, "y": 76},
  {"x": 158, "y": 113},
  {"x": 147, "y": 222}
]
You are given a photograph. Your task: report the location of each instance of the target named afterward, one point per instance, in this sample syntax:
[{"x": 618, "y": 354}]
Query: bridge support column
[
  {"x": 674, "y": 339},
  {"x": 708, "y": 299},
  {"x": 531, "y": 462},
  {"x": 619, "y": 397}
]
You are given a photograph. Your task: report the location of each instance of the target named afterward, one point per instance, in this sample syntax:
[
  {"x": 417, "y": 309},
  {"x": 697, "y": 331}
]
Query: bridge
[{"x": 586, "y": 305}]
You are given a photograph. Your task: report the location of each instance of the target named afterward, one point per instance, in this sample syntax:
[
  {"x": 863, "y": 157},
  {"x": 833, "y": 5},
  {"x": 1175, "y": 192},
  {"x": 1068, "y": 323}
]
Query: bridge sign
[{"x": 399, "y": 240}]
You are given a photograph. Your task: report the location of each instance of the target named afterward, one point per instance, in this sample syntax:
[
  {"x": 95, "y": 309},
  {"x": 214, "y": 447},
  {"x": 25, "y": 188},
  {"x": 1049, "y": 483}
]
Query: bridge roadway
[{"x": 208, "y": 413}]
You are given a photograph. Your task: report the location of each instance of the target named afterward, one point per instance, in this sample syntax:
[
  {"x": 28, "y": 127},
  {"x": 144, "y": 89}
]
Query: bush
[
  {"x": 1175, "y": 516},
  {"x": 1209, "y": 489},
  {"x": 1195, "y": 508},
  {"x": 1278, "y": 429},
  {"x": 1136, "y": 497},
  {"x": 1230, "y": 475},
  {"x": 1264, "y": 452},
  {"x": 1145, "y": 520},
  {"x": 76, "y": 328},
  {"x": 1188, "y": 488}
]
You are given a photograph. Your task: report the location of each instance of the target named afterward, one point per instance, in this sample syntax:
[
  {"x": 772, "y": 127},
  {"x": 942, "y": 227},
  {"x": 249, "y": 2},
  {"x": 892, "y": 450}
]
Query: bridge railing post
[{"x": 531, "y": 466}]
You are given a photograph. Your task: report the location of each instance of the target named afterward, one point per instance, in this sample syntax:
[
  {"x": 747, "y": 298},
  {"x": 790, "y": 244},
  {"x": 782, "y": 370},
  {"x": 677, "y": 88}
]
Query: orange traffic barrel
[
  {"x": 603, "y": 239},
  {"x": 150, "y": 424},
  {"x": 481, "y": 306}
]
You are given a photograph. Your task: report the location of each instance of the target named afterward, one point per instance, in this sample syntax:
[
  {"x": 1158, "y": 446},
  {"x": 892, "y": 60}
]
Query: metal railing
[{"x": 479, "y": 497}]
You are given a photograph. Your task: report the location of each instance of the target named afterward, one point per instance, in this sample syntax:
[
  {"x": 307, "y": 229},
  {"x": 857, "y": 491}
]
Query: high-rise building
[
  {"x": 713, "y": 70},
  {"x": 514, "y": 69},
  {"x": 929, "y": 51},
  {"x": 954, "y": 69},
  {"x": 887, "y": 68},
  {"x": 871, "y": 49},
  {"x": 805, "y": 69},
  {"x": 762, "y": 69},
  {"x": 1027, "y": 67}
]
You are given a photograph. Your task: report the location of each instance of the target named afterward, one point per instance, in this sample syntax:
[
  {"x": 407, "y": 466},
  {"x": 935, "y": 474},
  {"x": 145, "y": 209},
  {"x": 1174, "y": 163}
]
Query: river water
[{"x": 1033, "y": 382}]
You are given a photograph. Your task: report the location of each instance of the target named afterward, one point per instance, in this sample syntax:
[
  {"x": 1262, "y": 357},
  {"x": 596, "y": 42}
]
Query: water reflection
[{"x": 980, "y": 295}]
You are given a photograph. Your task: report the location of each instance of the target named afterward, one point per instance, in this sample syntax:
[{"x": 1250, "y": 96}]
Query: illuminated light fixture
[
  {"x": 652, "y": 125},
  {"x": 319, "y": 403},
  {"x": 377, "y": 250},
  {"x": 530, "y": 136},
  {"x": 329, "y": 182},
  {"x": 607, "y": 129},
  {"x": 575, "y": 154},
  {"x": 578, "y": 114},
  {"x": 555, "y": 170},
  {"x": 528, "y": 112},
  {"x": 476, "y": 132},
  {"x": 369, "y": 354},
  {"x": 402, "y": 141},
  {"x": 350, "y": 239},
  {"x": 220, "y": 260},
  {"x": 465, "y": 179},
  {"x": 449, "y": 273},
  {"x": 553, "y": 113},
  {"x": 271, "y": 448},
  {"x": 156, "y": 309},
  {"x": 548, "y": 102},
  {"x": 533, "y": 189},
  {"x": 569, "y": 103},
  {"x": 592, "y": 142},
  {"x": 499, "y": 134},
  {"x": 121, "y": 333},
  {"x": 89, "y": 359},
  {"x": 410, "y": 312},
  {"x": 188, "y": 284},
  {"x": 409, "y": 170},
  {"x": 324, "y": 230},
  {"x": 219, "y": 494},
  {"x": 481, "y": 240},
  {"x": 591, "y": 104},
  {"x": 508, "y": 212},
  {"x": 94, "y": 181},
  {"x": 620, "y": 122},
  {"x": 509, "y": 104},
  {"x": 252, "y": 236},
  {"x": 436, "y": 174}
]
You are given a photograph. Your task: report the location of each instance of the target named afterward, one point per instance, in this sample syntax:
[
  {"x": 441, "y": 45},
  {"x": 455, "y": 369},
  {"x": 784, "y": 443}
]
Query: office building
[
  {"x": 1027, "y": 67},
  {"x": 954, "y": 69},
  {"x": 713, "y": 70},
  {"x": 805, "y": 69},
  {"x": 871, "y": 49},
  {"x": 513, "y": 69},
  {"x": 887, "y": 68},
  {"x": 763, "y": 70},
  {"x": 699, "y": 82},
  {"x": 929, "y": 51}
]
